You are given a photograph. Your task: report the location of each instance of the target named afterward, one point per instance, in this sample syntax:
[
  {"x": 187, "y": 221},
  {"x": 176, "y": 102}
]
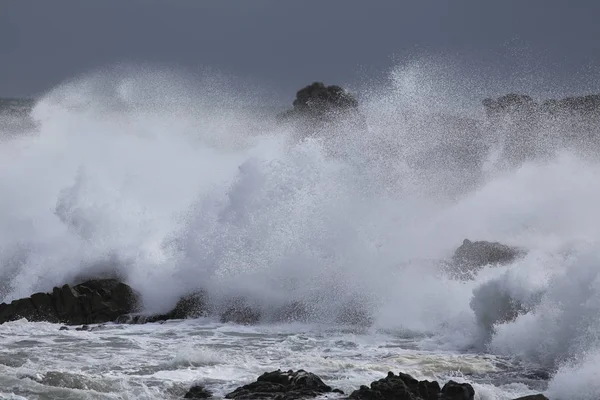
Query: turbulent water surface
[{"x": 178, "y": 185}]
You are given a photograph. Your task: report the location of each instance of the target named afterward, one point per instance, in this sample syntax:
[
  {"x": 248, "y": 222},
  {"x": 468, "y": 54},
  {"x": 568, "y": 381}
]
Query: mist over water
[{"x": 177, "y": 185}]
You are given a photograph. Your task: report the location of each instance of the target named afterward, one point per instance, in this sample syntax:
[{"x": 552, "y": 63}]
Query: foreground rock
[
  {"x": 91, "y": 302},
  {"x": 292, "y": 385},
  {"x": 405, "y": 387},
  {"x": 283, "y": 385}
]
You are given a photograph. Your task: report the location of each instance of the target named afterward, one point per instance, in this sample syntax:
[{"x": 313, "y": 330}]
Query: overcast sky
[{"x": 286, "y": 44}]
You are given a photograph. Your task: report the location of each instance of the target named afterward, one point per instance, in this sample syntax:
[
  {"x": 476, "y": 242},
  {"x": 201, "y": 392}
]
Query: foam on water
[{"x": 180, "y": 184}]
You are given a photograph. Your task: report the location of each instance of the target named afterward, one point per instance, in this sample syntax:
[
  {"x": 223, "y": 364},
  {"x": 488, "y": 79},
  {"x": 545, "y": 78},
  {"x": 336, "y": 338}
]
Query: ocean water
[{"x": 177, "y": 184}]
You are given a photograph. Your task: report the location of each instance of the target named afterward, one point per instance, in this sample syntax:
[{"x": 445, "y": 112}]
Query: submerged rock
[
  {"x": 533, "y": 397},
  {"x": 91, "y": 302},
  {"x": 198, "y": 392},
  {"x": 283, "y": 385}
]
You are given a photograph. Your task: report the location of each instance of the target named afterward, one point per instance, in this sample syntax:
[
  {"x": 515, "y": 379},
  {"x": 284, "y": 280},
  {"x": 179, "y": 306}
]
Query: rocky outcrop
[
  {"x": 93, "y": 301},
  {"x": 318, "y": 101},
  {"x": 292, "y": 385},
  {"x": 283, "y": 385}
]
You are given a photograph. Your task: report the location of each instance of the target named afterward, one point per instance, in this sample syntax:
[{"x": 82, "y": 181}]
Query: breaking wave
[{"x": 178, "y": 184}]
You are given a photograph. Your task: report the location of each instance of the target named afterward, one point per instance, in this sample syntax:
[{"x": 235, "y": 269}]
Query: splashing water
[{"x": 178, "y": 185}]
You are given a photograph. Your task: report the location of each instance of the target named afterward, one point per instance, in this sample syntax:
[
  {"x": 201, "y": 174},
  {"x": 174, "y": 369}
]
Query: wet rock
[
  {"x": 533, "y": 397},
  {"x": 320, "y": 102},
  {"x": 83, "y": 328},
  {"x": 241, "y": 313},
  {"x": 295, "y": 311},
  {"x": 472, "y": 256},
  {"x": 398, "y": 387},
  {"x": 457, "y": 391},
  {"x": 193, "y": 305},
  {"x": 198, "y": 392},
  {"x": 354, "y": 314},
  {"x": 94, "y": 301},
  {"x": 63, "y": 328},
  {"x": 283, "y": 385}
]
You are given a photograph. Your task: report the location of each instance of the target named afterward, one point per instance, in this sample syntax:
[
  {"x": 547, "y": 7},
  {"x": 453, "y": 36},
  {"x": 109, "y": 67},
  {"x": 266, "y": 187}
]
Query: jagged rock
[
  {"x": 91, "y": 302},
  {"x": 288, "y": 385},
  {"x": 400, "y": 387},
  {"x": 198, "y": 392}
]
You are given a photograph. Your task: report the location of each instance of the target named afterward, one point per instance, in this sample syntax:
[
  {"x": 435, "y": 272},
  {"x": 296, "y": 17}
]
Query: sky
[{"x": 546, "y": 45}]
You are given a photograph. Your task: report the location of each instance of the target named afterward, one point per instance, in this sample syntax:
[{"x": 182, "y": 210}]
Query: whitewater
[{"x": 175, "y": 184}]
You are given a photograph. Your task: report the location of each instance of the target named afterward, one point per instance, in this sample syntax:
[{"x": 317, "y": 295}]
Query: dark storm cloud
[{"x": 285, "y": 44}]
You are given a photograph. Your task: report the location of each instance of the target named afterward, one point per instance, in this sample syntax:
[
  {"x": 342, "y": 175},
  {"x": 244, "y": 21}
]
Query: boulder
[
  {"x": 91, "y": 302},
  {"x": 283, "y": 385},
  {"x": 198, "y": 392}
]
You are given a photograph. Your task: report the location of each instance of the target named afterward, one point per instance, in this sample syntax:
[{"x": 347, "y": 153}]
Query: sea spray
[{"x": 178, "y": 186}]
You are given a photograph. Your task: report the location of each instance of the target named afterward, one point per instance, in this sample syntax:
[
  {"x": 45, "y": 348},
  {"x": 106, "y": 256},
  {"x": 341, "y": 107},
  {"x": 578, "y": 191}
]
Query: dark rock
[
  {"x": 283, "y": 385},
  {"x": 471, "y": 256},
  {"x": 193, "y": 305},
  {"x": 318, "y": 101},
  {"x": 240, "y": 313},
  {"x": 91, "y": 302},
  {"x": 64, "y": 328},
  {"x": 83, "y": 328},
  {"x": 295, "y": 311},
  {"x": 190, "y": 306},
  {"x": 398, "y": 387},
  {"x": 533, "y": 397},
  {"x": 457, "y": 391},
  {"x": 318, "y": 97},
  {"x": 198, "y": 392}
]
